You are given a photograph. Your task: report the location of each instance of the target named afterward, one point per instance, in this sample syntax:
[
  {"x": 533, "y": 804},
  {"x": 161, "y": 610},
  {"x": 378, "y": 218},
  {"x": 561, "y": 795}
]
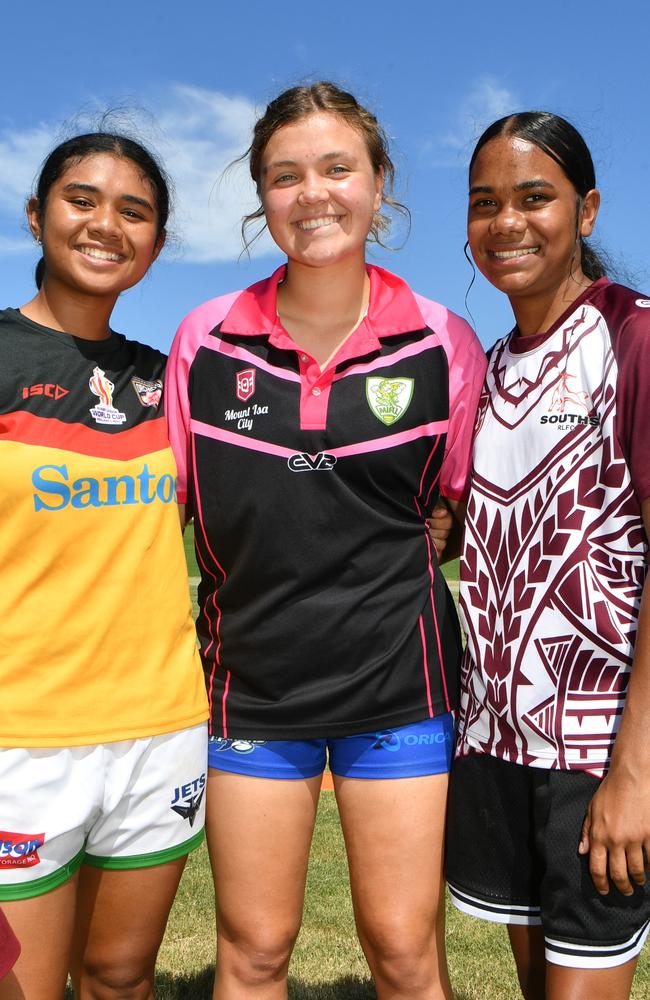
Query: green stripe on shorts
[
  {"x": 146, "y": 860},
  {"x": 38, "y": 886}
]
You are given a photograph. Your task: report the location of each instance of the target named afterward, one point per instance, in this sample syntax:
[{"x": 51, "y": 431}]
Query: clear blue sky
[{"x": 434, "y": 73}]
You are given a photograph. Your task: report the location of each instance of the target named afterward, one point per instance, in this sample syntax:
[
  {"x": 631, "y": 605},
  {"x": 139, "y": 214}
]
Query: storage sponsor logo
[
  {"x": 54, "y": 491},
  {"x": 149, "y": 393},
  {"x": 389, "y": 398},
  {"x": 50, "y": 389},
  {"x": 20, "y": 850},
  {"x": 187, "y": 798},
  {"x": 245, "y": 384},
  {"x": 643, "y": 303},
  {"x": 105, "y": 413},
  {"x": 302, "y": 462}
]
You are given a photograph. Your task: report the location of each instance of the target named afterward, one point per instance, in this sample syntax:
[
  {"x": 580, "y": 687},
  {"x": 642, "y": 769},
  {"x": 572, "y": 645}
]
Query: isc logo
[
  {"x": 50, "y": 390},
  {"x": 302, "y": 462}
]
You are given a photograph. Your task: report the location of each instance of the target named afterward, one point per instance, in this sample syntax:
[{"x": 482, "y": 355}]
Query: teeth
[
  {"x": 326, "y": 220},
  {"x": 100, "y": 254},
  {"x": 508, "y": 254}
]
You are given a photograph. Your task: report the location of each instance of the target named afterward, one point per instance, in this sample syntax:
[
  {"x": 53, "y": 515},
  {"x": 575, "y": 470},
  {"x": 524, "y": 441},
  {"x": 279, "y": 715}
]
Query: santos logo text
[{"x": 56, "y": 492}]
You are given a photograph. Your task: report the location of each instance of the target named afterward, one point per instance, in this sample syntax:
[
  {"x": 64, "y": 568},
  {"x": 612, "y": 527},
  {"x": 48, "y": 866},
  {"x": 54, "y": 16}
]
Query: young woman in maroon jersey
[
  {"x": 549, "y": 815},
  {"x": 315, "y": 418},
  {"x": 102, "y": 717}
]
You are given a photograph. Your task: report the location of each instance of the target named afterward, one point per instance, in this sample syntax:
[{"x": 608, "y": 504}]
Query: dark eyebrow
[
  {"x": 537, "y": 182},
  {"x": 132, "y": 199}
]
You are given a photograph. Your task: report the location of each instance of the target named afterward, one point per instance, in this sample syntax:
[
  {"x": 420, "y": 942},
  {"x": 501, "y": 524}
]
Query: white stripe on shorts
[
  {"x": 595, "y": 956},
  {"x": 497, "y": 913}
]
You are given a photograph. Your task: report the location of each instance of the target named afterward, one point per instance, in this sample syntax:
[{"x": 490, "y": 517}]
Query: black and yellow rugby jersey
[
  {"x": 322, "y": 608},
  {"x": 96, "y": 637}
]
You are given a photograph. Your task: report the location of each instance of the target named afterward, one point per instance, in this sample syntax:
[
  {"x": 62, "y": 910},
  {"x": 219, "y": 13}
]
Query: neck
[
  {"x": 320, "y": 307},
  {"x": 83, "y": 316},
  {"x": 536, "y": 315}
]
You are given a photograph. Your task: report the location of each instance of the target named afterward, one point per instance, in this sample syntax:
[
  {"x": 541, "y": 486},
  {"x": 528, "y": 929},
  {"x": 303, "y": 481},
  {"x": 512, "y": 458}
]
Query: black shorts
[{"x": 512, "y": 857}]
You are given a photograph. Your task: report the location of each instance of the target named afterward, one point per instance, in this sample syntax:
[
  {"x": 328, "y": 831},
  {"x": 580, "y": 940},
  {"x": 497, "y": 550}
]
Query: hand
[
  {"x": 616, "y": 833},
  {"x": 440, "y": 524}
]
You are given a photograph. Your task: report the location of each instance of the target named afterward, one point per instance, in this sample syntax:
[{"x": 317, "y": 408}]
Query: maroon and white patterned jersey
[{"x": 554, "y": 555}]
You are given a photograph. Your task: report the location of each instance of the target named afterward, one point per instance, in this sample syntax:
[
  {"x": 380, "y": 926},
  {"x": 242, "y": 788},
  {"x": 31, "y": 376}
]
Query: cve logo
[{"x": 302, "y": 462}]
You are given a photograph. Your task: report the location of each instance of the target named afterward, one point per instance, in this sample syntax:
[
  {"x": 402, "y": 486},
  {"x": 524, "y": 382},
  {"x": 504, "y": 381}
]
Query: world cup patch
[
  {"x": 20, "y": 850},
  {"x": 105, "y": 412},
  {"x": 389, "y": 398},
  {"x": 149, "y": 393}
]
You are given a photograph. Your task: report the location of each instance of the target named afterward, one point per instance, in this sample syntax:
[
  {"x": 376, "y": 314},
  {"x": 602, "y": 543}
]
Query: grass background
[{"x": 328, "y": 963}]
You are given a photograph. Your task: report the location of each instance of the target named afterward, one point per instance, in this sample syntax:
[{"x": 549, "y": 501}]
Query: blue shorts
[{"x": 405, "y": 752}]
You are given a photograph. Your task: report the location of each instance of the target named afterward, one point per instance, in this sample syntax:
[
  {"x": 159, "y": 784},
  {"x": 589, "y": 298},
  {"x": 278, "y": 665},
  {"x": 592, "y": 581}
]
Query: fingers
[
  {"x": 618, "y": 871},
  {"x": 636, "y": 864},
  {"x": 598, "y": 868},
  {"x": 626, "y": 867}
]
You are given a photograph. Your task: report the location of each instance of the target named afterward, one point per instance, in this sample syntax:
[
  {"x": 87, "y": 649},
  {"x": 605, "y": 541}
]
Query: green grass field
[{"x": 327, "y": 963}]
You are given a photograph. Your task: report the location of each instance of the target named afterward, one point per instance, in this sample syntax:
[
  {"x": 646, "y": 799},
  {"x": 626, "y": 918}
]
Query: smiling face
[
  {"x": 524, "y": 222},
  {"x": 99, "y": 227},
  {"x": 319, "y": 190}
]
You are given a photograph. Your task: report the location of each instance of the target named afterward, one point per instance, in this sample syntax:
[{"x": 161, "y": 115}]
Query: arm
[{"x": 616, "y": 830}]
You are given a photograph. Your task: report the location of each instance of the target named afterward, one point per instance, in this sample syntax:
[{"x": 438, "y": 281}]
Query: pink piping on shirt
[
  {"x": 241, "y": 354},
  {"x": 393, "y": 441},
  {"x": 409, "y": 351},
  {"x": 426, "y": 667},
  {"x": 217, "y": 621}
]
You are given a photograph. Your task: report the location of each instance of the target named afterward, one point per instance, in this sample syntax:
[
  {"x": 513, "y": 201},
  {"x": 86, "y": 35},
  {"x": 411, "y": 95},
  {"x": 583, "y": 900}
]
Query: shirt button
[
  {"x": 303, "y": 357},
  {"x": 315, "y": 391}
]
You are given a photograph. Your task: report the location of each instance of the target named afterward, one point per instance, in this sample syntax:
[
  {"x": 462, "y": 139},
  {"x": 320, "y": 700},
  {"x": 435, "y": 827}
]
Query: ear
[
  {"x": 32, "y": 210},
  {"x": 589, "y": 211},
  {"x": 379, "y": 188},
  {"x": 159, "y": 244}
]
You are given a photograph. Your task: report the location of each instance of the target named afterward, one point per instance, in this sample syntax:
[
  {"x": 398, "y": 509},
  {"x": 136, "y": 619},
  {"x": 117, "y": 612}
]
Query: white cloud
[
  {"x": 205, "y": 131},
  {"x": 486, "y": 101},
  {"x": 198, "y": 132}
]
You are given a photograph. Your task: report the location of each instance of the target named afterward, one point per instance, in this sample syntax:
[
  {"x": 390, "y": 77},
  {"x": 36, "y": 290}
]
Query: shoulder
[
  {"x": 625, "y": 311},
  {"x": 458, "y": 338},
  {"x": 148, "y": 361},
  {"x": 205, "y": 317},
  {"x": 198, "y": 325}
]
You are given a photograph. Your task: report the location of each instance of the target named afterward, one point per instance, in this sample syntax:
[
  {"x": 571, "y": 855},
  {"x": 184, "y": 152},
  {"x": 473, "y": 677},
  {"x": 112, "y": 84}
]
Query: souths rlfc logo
[
  {"x": 389, "y": 398},
  {"x": 245, "y": 384},
  {"x": 105, "y": 413},
  {"x": 566, "y": 393}
]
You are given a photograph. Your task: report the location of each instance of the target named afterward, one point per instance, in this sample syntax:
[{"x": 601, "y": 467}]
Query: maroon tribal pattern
[{"x": 553, "y": 560}]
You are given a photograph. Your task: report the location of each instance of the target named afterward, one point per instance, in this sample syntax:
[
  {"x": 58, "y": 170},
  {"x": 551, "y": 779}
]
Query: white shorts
[{"x": 130, "y": 804}]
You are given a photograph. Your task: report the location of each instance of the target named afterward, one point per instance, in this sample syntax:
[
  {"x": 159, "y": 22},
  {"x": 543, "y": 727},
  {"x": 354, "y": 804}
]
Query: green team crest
[{"x": 389, "y": 398}]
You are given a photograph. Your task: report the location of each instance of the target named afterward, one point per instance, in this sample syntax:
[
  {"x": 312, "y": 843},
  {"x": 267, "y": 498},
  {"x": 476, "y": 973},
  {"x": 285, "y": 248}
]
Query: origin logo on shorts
[
  {"x": 20, "y": 850},
  {"x": 187, "y": 799}
]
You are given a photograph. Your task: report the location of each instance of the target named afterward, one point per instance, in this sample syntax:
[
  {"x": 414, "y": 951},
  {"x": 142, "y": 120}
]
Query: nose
[
  {"x": 105, "y": 223},
  {"x": 507, "y": 220},
  {"x": 313, "y": 190}
]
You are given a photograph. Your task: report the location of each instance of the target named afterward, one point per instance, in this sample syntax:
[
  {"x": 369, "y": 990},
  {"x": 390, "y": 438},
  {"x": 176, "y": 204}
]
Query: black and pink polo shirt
[{"x": 322, "y": 608}]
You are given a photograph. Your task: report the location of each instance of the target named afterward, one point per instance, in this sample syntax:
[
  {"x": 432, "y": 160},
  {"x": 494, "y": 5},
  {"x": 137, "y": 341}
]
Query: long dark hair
[
  {"x": 77, "y": 148},
  {"x": 560, "y": 140}
]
